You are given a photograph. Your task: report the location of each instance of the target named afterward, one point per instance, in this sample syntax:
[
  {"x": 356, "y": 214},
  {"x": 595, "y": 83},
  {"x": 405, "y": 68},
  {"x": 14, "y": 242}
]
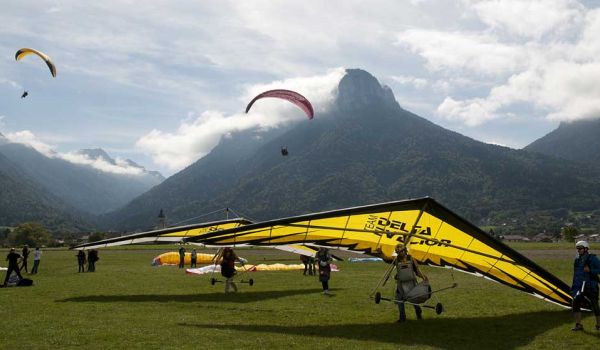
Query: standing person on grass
[
  {"x": 194, "y": 257},
  {"x": 81, "y": 260},
  {"x": 37, "y": 255},
  {"x": 228, "y": 260},
  {"x": 13, "y": 265},
  {"x": 25, "y": 255},
  {"x": 324, "y": 261},
  {"x": 584, "y": 290},
  {"x": 407, "y": 272}
]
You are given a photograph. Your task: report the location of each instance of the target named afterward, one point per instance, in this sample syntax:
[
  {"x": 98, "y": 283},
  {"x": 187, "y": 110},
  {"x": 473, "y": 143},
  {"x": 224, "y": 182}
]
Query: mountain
[
  {"x": 22, "y": 200},
  {"x": 366, "y": 149},
  {"x": 80, "y": 186},
  {"x": 578, "y": 140},
  {"x": 148, "y": 177}
]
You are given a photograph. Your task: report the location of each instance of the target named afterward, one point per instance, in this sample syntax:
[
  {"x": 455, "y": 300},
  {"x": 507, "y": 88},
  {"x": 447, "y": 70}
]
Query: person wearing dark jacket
[
  {"x": 324, "y": 261},
  {"x": 13, "y": 265},
  {"x": 25, "y": 254},
  {"x": 81, "y": 261},
  {"x": 92, "y": 258},
  {"x": 584, "y": 289}
]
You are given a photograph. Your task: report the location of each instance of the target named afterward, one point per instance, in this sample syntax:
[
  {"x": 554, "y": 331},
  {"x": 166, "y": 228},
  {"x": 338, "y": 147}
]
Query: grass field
[{"x": 127, "y": 303}]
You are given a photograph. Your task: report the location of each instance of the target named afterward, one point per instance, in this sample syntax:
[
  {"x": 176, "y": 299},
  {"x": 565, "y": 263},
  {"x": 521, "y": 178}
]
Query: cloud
[
  {"x": 417, "y": 83},
  {"x": 541, "y": 54},
  {"x": 121, "y": 167},
  {"x": 26, "y": 137},
  {"x": 473, "y": 52},
  {"x": 197, "y": 135},
  {"x": 530, "y": 19}
]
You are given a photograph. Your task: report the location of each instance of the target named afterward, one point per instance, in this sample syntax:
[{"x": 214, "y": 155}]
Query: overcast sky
[{"x": 160, "y": 82}]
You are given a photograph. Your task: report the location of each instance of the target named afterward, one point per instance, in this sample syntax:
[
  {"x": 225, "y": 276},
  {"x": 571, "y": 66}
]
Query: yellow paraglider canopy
[{"x": 27, "y": 51}]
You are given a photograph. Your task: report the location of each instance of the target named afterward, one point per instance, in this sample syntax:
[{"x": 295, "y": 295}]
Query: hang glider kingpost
[{"x": 434, "y": 234}]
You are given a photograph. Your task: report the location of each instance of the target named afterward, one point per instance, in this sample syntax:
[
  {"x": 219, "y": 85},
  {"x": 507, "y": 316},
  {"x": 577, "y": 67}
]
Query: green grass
[{"x": 127, "y": 303}]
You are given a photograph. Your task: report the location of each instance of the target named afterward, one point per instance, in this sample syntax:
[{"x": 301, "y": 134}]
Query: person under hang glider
[
  {"x": 284, "y": 151},
  {"x": 25, "y": 93}
]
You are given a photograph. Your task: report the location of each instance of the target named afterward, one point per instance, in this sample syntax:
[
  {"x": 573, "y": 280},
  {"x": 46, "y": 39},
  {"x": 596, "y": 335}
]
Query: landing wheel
[
  {"x": 251, "y": 282},
  {"x": 377, "y": 298},
  {"x": 213, "y": 281},
  {"x": 439, "y": 308}
]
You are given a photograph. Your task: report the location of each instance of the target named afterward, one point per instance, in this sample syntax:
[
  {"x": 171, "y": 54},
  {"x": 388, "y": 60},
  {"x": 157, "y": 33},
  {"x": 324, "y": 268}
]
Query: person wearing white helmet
[{"x": 584, "y": 290}]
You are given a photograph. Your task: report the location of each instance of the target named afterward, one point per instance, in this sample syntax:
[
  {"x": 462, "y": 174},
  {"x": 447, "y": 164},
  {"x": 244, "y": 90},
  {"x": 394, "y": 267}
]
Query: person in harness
[
  {"x": 228, "y": 268},
  {"x": 407, "y": 272},
  {"x": 584, "y": 290}
]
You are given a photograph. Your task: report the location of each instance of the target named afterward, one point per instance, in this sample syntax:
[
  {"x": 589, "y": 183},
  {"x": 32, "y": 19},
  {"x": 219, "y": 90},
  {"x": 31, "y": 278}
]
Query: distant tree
[
  {"x": 96, "y": 236},
  {"x": 33, "y": 234},
  {"x": 569, "y": 233},
  {"x": 4, "y": 236}
]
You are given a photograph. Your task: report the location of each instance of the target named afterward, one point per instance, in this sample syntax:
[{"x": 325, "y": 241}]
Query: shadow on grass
[
  {"x": 502, "y": 332},
  {"x": 240, "y": 297}
]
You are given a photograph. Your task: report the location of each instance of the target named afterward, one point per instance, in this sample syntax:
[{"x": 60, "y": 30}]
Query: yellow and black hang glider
[
  {"x": 435, "y": 236},
  {"x": 167, "y": 235}
]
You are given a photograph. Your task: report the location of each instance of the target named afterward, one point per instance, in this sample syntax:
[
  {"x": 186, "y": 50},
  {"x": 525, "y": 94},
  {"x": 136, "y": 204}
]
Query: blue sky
[{"x": 161, "y": 82}]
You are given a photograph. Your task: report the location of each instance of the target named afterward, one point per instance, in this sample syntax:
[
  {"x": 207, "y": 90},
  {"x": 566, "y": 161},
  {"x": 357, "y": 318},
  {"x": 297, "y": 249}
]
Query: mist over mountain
[
  {"x": 22, "y": 200},
  {"x": 80, "y": 186},
  {"x": 365, "y": 149},
  {"x": 578, "y": 140}
]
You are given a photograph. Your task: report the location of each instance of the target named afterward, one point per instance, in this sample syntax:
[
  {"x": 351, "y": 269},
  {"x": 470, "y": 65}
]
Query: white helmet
[{"x": 582, "y": 244}]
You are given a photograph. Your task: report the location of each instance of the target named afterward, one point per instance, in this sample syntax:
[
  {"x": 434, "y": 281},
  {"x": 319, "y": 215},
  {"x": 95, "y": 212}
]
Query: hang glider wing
[
  {"x": 177, "y": 234},
  {"x": 167, "y": 235},
  {"x": 27, "y": 51},
  {"x": 435, "y": 236}
]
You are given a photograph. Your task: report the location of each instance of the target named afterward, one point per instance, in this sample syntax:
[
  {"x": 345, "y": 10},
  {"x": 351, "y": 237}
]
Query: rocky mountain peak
[{"x": 359, "y": 89}]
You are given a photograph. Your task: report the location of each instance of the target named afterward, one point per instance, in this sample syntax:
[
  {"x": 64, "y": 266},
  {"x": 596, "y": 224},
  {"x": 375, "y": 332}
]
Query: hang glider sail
[
  {"x": 179, "y": 233},
  {"x": 288, "y": 95},
  {"x": 168, "y": 235},
  {"x": 434, "y": 234},
  {"x": 21, "y": 53}
]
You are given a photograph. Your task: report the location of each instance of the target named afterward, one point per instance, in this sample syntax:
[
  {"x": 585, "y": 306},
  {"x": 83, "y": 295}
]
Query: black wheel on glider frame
[
  {"x": 377, "y": 298},
  {"x": 439, "y": 308},
  {"x": 251, "y": 282},
  {"x": 213, "y": 281}
]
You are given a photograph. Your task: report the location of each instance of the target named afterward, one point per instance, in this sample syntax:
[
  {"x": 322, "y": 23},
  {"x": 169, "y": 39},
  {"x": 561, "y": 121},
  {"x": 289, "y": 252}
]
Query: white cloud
[
  {"x": 417, "y": 83},
  {"x": 544, "y": 54},
  {"x": 478, "y": 53},
  {"x": 121, "y": 167},
  {"x": 197, "y": 137},
  {"x": 26, "y": 137},
  {"x": 529, "y": 18}
]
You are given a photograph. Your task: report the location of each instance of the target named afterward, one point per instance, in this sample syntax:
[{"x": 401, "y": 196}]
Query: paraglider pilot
[
  {"x": 407, "y": 271},
  {"x": 584, "y": 290}
]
